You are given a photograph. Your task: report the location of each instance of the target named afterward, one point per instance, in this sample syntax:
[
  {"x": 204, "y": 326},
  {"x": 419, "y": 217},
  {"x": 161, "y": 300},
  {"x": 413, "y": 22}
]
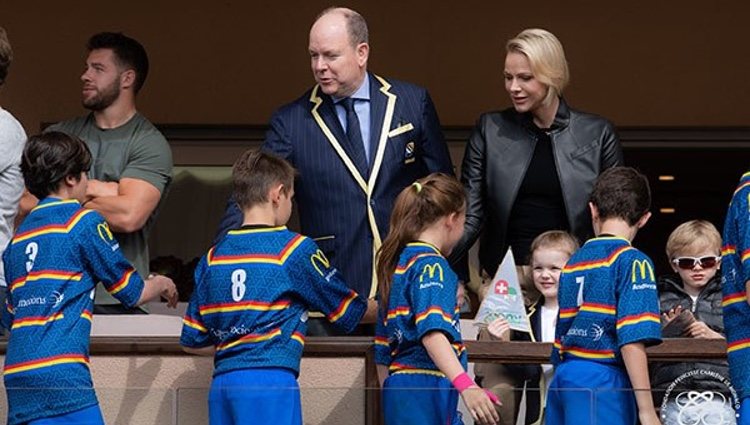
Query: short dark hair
[
  {"x": 255, "y": 173},
  {"x": 621, "y": 192},
  {"x": 50, "y": 157},
  {"x": 128, "y": 52},
  {"x": 6, "y": 55}
]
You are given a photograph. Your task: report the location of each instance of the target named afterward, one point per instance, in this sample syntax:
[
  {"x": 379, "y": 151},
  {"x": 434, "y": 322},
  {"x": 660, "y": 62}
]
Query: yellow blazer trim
[
  {"x": 387, "y": 120},
  {"x": 317, "y": 100},
  {"x": 401, "y": 130},
  {"x": 365, "y": 186}
]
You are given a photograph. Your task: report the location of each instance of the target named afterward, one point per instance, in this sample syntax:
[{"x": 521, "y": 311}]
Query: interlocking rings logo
[
  {"x": 695, "y": 406},
  {"x": 319, "y": 259},
  {"x": 642, "y": 266},
  {"x": 430, "y": 271}
]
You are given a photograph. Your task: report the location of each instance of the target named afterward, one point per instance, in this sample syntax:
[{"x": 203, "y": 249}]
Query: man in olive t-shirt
[{"x": 131, "y": 160}]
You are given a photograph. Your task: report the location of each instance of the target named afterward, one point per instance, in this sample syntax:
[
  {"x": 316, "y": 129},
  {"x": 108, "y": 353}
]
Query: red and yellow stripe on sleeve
[
  {"x": 122, "y": 283},
  {"x": 738, "y": 345},
  {"x": 340, "y": 311},
  {"x": 730, "y": 299},
  {"x": 398, "y": 311},
  {"x": 194, "y": 324},
  {"x": 381, "y": 341},
  {"x": 297, "y": 336},
  {"x": 637, "y": 319},
  {"x": 86, "y": 315},
  {"x": 433, "y": 310},
  {"x": 728, "y": 250}
]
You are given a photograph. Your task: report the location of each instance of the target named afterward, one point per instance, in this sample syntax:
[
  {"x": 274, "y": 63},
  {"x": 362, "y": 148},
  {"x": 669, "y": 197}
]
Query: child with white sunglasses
[{"x": 690, "y": 303}]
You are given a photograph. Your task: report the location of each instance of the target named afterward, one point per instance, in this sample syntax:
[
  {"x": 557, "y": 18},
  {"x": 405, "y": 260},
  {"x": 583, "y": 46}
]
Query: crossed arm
[{"x": 126, "y": 205}]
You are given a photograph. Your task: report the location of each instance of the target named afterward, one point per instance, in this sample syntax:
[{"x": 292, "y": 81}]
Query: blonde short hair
[
  {"x": 555, "y": 239},
  {"x": 546, "y": 57},
  {"x": 693, "y": 234}
]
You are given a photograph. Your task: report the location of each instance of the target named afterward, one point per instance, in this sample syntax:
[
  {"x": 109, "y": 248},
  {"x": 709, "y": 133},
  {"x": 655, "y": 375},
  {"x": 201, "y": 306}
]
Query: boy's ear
[
  {"x": 594, "y": 212},
  {"x": 274, "y": 195},
  {"x": 71, "y": 180},
  {"x": 643, "y": 220}
]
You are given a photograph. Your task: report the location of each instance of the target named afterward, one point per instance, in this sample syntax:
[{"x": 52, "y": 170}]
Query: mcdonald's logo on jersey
[
  {"x": 319, "y": 259},
  {"x": 106, "y": 234},
  {"x": 641, "y": 268},
  {"x": 430, "y": 271}
]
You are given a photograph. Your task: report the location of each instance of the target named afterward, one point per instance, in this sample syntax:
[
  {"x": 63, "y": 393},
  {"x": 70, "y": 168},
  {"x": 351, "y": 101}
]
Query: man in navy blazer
[{"x": 352, "y": 164}]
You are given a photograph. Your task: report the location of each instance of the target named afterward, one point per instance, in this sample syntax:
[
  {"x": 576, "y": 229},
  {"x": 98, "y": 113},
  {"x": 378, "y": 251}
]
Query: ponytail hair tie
[{"x": 417, "y": 185}]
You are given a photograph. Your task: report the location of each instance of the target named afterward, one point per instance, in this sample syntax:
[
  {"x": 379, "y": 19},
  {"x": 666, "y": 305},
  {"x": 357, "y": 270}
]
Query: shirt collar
[{"x": 362, "y": 93}]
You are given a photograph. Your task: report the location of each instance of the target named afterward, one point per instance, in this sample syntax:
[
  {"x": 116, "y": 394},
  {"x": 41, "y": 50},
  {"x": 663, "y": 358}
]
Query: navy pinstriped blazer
[{"x": 344, "y": 203}]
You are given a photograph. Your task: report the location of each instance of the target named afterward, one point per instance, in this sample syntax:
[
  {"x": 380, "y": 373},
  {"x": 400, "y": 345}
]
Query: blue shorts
[
  {"x": 87, "y": 416},
  {"x": 744, "y": 418},
  {"x": 590, "y": 393},
  {"x": 420, "y": 399},
  {"x": 255, "y": 396}
]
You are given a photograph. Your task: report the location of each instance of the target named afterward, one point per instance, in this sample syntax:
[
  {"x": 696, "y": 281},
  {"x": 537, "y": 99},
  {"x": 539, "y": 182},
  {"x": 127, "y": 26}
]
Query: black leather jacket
[{"x": 495, "y": 162}]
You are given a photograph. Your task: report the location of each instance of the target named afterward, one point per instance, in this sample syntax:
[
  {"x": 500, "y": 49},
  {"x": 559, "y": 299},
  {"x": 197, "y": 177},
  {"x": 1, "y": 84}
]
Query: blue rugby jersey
[
  {"x": 608, "y": 298},
  {"x": 735, "y": 267},
  {"x": 52, "y": 265},
  {"x": 253, "y": 291},
  {"x": 422, "y": 300}
]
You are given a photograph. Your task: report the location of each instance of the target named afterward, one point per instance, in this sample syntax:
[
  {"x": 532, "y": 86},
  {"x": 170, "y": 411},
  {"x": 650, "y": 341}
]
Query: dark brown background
[{"x": 231, "y": 61}]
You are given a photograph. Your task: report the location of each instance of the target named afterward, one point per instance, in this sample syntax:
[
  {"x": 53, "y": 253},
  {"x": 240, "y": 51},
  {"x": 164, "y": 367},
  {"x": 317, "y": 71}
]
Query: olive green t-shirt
[{"x": 135, "y": 150}]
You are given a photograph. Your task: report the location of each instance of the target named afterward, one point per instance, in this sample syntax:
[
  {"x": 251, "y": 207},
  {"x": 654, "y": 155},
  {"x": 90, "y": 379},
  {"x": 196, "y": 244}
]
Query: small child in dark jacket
[{"x": 690, "y": 303}]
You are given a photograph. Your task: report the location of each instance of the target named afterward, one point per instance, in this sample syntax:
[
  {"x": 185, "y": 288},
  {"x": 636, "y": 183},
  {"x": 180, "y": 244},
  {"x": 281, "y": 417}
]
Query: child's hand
[
  {"x": 747, "y": 291},
  {"x": 168, "y": 289},
  {"x": 668, "y": 316},
  {"x": 499, "y": 329},
  {"x": 701, "y": 330},
  {"x": 480, "y": 403},
  {"x": 481, "y": 407}
]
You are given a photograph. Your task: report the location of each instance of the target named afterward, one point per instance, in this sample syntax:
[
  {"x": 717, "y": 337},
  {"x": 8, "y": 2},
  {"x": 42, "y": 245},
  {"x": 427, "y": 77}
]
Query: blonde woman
[{"x": 531, "y": 167}]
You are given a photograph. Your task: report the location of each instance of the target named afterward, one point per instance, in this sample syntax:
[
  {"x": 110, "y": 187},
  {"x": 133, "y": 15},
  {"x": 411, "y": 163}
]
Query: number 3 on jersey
[
  {"x": 239, "y": 277},
  {"x": 32, "y": 249}
]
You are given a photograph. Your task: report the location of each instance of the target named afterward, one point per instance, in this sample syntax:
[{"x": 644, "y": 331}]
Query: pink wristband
[{"x": 463, "y": 382}]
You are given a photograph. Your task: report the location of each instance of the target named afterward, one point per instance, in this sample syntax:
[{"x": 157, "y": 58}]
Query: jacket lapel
[
  {"x": 325, "y": 117},
  {"x": 382, "y": 106},
  {"x": 378, "y": 102}
]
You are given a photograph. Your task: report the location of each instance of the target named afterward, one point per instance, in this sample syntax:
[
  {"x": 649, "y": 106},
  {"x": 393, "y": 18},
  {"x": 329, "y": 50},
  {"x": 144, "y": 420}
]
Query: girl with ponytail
[{"x": 418, "y": 337}]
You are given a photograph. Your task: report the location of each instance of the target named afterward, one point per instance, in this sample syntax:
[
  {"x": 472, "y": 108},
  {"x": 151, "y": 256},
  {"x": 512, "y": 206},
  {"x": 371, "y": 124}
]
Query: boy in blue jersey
[
  {"x": 253, "y": 291},
  {"x": 609, "y": 313},
  {"x": 52, "y": 265},
  {"x": 735, "y": 286}
]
